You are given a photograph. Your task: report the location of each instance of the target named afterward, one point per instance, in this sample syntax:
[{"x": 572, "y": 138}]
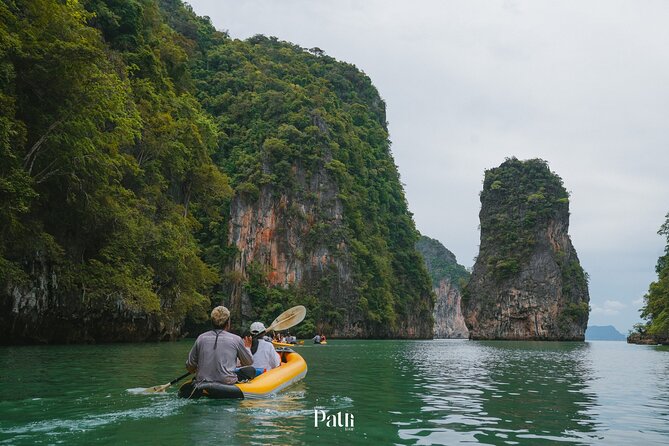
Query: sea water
[{"x": 375, "y": 392}]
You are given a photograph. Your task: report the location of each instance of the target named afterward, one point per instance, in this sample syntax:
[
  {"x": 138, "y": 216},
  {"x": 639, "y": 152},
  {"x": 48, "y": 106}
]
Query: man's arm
[{"x": 191, "y": 363}]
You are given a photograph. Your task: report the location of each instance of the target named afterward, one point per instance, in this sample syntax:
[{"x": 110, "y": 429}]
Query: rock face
[
  {"x": 449, "y": 323},
  {"x": 645, "y": 339},
  {"x": 527, "y": 283},
  {"x": 447, "y": 275},
  {"x": 296, "y": 242},
  {"x": 42, "y": 312}
]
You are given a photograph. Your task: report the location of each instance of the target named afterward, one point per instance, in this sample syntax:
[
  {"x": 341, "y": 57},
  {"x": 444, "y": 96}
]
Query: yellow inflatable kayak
[
  {"x": 293, "y": 368},
  {"x": 284, "y": 344}
]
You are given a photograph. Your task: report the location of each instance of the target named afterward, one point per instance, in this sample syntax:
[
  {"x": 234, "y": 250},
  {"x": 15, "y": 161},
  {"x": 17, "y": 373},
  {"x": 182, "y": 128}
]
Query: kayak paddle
[
  {"x": 288, "y": 318},
  {"x": 164, "y": 387}
]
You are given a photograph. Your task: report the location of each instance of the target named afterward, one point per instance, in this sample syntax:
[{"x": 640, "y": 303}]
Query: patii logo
[{"x": 340, "y": 419}]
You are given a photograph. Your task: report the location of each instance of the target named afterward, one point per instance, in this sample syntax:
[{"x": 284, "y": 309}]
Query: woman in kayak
[{"x": 264, "y": 355}]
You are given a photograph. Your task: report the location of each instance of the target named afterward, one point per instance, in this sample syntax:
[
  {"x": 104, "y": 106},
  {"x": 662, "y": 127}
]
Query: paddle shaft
[{"x": 179, "y": 378}]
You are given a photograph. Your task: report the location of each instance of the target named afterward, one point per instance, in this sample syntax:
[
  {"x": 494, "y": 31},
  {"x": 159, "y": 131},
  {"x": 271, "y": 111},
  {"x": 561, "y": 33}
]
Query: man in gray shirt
[{"x": 215, "y": 353}]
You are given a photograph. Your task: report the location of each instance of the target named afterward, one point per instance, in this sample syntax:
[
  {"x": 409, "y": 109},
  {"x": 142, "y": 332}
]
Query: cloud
[{"x": 610, "y": 308}]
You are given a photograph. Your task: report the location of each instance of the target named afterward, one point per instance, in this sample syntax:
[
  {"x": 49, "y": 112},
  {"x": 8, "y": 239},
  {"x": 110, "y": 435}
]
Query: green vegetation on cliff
[
  {"x": 282, "y": 112},
  {"x": 128, "y": 125},
  {"x": 441, "y": 263},
  {"x": 527, "y": 282},
  {"x": 656, "y": 308},
  {"x": 105, "y": 156},
  {"x": 523, "y": 195}
]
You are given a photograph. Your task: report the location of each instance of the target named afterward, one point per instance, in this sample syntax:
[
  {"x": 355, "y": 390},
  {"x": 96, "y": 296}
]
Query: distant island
[{"x": 603, "y": 333}]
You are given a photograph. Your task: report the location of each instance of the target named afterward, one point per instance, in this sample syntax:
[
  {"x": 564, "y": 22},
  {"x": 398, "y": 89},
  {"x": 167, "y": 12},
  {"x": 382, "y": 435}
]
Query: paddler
[
  {"x": 215, "y": 353},
  {"x": 264, "y": 355}
]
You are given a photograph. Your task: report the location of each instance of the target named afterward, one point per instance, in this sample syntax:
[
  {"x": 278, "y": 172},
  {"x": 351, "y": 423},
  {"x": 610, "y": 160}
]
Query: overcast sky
[{"x": 581, "y": 84}]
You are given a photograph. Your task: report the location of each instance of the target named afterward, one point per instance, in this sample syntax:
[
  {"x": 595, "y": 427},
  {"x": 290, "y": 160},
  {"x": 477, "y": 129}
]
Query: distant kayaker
[
  {"x": 264, "y": 355},
  {"x": 215, "y": 353},
  {"x": 317, "y": 339}
]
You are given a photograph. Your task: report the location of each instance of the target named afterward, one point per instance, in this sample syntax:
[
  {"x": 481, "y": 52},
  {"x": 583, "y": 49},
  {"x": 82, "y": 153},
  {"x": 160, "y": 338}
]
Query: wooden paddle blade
[
  {"x": 288, "y": 318},
  {"x": 164, "y": 387},
  {"x": 156, "y": 389}
]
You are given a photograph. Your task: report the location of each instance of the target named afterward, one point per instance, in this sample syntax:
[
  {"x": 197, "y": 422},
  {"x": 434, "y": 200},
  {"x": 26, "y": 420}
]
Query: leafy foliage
[
  {"x": 106, "y": 155},
  {"x": 128, "y": 125},
  {"x": 441, "y": 263},
  {"x": 521, "y": 195},
  {"x": 656, "y": 308}
]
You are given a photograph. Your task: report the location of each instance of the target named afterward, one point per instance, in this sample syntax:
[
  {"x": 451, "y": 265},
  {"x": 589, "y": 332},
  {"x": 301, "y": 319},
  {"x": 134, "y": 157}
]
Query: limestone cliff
[
  {"x": 291, "y": 241},
  {"x": 255, "y": 173},
  {"x": 319, "y": 217},
  {"x": 527, "y": 282},
  {"x": 449, "y": 323},
  {"x": 42, "y": 310},
  {"x": 447, "y": 278}
]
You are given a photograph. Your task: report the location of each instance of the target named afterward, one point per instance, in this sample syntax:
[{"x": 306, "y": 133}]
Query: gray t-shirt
[{"x": 218, "y": 364}]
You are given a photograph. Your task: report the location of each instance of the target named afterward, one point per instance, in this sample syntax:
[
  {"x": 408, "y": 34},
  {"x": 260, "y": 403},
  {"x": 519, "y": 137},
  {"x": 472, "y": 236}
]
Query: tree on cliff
[
  {"x": 129, "y": 126},
  {"x": 288, "y": 117},
  {"x": 527, "y": 282},
  {"x": 656, "y": 308},
  {"x": 105, "y": 157},
  {"x": 441, "y": 263}
]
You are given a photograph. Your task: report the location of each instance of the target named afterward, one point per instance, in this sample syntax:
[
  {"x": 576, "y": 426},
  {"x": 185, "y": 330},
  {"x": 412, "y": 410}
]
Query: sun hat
[{"x": 257, "y": 327}]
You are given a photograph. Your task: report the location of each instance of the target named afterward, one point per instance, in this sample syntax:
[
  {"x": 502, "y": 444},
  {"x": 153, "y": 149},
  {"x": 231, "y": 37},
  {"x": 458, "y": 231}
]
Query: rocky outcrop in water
[
  {"x": 447, "y": 279},
  {"x": 527, "y": 282}
]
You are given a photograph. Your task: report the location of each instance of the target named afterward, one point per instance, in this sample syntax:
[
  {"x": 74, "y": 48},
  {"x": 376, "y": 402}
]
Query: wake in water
[{"x": 54, "y": 427}]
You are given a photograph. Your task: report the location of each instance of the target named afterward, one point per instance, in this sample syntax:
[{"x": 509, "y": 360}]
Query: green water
[{"x": 407, "y": 392}]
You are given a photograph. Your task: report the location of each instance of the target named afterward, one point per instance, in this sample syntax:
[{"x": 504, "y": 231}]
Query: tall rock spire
[{"x": 527, "y": 282}]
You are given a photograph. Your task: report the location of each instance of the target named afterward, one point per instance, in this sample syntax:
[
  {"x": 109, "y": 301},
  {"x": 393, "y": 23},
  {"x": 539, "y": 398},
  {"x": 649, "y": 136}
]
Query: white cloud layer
[
  {"x": 608, "y": 308},
  {"x": 582, "y": 85}
]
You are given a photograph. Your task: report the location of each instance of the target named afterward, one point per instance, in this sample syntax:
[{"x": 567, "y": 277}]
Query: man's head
[
  {"x": 257, "y": 327},
  {"x": 220, "y": 316}
]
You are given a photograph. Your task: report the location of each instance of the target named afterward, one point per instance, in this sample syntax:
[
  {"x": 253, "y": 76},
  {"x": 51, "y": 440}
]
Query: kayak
[
  {"x": 322, "y": 342},
  {"x": 282, "y": 344},
  {"x": 293, "y": 368}
]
